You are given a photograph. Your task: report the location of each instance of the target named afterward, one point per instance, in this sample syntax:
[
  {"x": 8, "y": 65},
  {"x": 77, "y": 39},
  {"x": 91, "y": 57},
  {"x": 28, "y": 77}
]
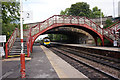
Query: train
[{"x": 46, "y": 42}]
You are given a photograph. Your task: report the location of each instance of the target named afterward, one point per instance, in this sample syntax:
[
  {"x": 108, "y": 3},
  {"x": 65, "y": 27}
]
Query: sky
[{"x": 43, "y": 9}]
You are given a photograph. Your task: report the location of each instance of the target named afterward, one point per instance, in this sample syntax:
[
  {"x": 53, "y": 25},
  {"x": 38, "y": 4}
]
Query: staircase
[
  {"x": 111, "y": 33},
  {"x": 16, "y": 48},
  {"x": 13, "y": 45}
]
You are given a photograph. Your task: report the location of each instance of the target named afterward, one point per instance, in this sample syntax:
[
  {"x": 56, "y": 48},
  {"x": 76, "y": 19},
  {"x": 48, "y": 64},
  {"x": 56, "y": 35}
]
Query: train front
[{"x": 46, "y": 42}]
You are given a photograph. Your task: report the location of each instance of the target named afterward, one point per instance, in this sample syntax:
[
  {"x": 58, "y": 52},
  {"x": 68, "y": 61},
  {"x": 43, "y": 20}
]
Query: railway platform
[
  {"x": 42, "y": 64},
  {"x": 116, "y": 49}
]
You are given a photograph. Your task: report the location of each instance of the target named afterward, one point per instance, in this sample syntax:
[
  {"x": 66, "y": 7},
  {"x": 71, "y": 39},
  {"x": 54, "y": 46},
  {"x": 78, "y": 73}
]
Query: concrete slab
[{"x": 63, "y": 69}]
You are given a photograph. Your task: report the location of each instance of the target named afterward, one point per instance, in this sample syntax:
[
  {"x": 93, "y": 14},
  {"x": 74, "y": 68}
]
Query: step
[
  {"x": 17, "y": 55},
  {"x": 18, "y": 47},
  {"x": 11, "y": 52},
  {"x": 19, "y": 40},
  {"x": 19, "y": 44}
]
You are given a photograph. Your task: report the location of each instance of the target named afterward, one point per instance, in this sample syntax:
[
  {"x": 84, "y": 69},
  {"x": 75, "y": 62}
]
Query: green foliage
[
  {"x": 82, "y": 9},
  {"x": 50, "y": 36},
  {"x": 10, "y": 17},
  {"x": 57, "y": 37},
  {"x": 99, "y": 40},
  {"x": 108, "y": 23},
  {"x": 106, "y": 41},
  {"x": 96, "y": 13},
  {"x": 65, "y": 12},
  {"x": 10, "y": 12},
  {"x": 8, "y": 29}
]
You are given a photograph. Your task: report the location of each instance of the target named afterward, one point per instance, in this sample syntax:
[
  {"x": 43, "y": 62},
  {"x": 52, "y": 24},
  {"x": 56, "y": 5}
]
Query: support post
[
  {"x": 103, "y": 41},
  {"x": 102, "y": 35},
  {"x": 6, "y": 51},
  {"x": 31, "y": 44},
  {"x": 28, "y": 51},
  {"x": 22, "y": 56},
  {"x": 22, "y": 59}
]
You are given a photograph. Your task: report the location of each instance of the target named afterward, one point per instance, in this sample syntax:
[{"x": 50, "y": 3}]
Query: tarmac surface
[{"x": 38, "y": 67}]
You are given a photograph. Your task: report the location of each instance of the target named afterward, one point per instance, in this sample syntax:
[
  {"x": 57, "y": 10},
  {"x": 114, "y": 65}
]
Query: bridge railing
[
  {"x": 61, "y": 19},
  {"x": 11, "y": 41},
  {"x": 25, "y": 33},
  {"x": 93, "y": 25}
]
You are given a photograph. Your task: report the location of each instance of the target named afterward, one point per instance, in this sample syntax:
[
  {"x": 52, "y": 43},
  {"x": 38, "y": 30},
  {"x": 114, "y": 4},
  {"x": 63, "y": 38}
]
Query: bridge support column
[
  {"x": 31, "y": 45},
  {"x": 103, "y": 41},
  {"x": 96, "y": 41}
]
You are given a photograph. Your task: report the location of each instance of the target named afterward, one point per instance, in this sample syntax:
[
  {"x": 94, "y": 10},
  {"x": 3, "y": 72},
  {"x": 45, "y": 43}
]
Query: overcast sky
[{"x": 43, "y": 9}]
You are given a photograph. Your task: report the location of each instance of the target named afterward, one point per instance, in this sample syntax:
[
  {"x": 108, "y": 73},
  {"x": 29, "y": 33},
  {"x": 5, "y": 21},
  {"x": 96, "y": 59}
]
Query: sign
[
  {"x": 115, "y": 43},
  {"x": 2, "y": 38},
  {"x": 28, "y": 15},
  {"x": 2, "y": 52}
]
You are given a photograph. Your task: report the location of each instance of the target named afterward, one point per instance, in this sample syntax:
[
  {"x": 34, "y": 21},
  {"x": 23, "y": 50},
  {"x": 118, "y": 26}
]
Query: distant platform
[{"x": 90, "y": 46}]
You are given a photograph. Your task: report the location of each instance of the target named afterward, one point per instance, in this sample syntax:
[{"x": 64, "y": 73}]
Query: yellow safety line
[{"x": 15, "y": 56}]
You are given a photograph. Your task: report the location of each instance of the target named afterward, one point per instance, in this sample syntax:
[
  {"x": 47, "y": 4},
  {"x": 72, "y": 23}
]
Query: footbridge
[{"x": 55, "y": 21}]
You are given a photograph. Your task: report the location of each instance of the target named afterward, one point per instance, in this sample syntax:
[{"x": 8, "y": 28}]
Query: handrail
[
  {"x": 10, "y": 42},
  {"x": 113, "y": 25}
]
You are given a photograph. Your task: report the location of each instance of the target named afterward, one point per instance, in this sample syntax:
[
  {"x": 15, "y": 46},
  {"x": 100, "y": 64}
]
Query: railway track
[
  {"x": 96, "y": 66},
  {"x": 113, "y": 63}
]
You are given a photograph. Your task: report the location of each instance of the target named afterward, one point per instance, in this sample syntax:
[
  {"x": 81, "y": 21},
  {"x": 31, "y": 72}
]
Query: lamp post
[
  {"x": 22, "y": 55},
  {"x": 113, "y": 8},
  {"x": 101, "y": 19}
]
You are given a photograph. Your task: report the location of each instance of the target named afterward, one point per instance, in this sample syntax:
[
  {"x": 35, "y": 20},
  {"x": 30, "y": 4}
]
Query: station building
[{"x": 119, "y": 9}]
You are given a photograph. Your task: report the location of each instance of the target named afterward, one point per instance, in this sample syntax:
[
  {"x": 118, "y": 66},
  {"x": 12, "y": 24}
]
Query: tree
[
  {"x": 96, "y": 13},
  {"x": 108, "y": 23},
  {"x": 80, "y": 9},
  {"x": 65, "y": 12},
  {"x": 10, "y": 17},
  {"x": 8, "y": 29},
  {"x": 10, "y": 12}
]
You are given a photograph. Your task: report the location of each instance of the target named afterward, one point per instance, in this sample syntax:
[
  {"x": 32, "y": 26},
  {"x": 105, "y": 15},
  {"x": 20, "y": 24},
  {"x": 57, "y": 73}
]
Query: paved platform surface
[
  {"x": 63, "y": 69},
  {"x": 42, "y": 64},
  {"x": 38, "y": 67}
]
